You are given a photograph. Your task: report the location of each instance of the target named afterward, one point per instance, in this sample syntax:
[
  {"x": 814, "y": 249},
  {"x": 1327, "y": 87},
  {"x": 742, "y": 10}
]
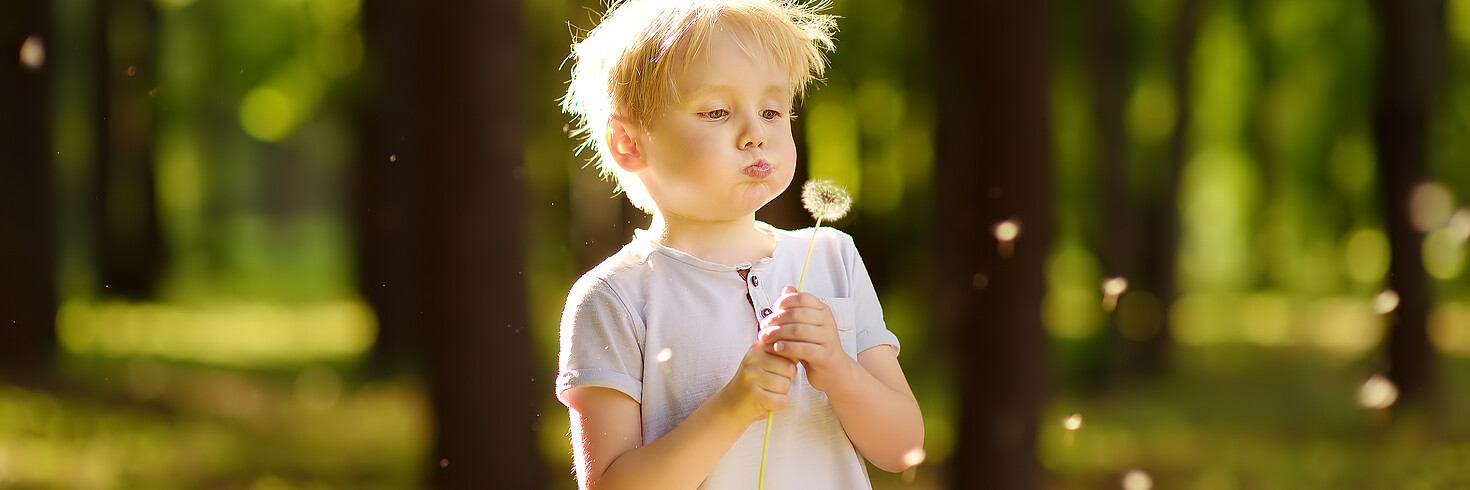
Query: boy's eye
[
  {"x": 770, "y": 113},
  {"x": 715, "y": 114}
]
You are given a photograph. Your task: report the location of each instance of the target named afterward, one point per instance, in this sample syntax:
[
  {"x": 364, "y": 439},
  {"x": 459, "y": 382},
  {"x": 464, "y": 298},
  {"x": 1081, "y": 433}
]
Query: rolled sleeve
[
  {"x": 871, "y": 329},
  {"x": 600, "y": 342}
]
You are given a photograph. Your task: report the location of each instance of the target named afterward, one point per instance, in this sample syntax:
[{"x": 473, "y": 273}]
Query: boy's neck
[{"x": 722, "y": 242}]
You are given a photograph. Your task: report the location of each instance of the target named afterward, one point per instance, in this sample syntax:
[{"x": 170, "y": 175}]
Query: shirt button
[
  {"x": 755, "y": 281},
  {"x": 765, "y": 313}
]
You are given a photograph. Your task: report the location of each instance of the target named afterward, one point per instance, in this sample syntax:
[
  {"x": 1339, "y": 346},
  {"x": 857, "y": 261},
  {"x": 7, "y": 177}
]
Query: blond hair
[{"x": 623, "y": 66}]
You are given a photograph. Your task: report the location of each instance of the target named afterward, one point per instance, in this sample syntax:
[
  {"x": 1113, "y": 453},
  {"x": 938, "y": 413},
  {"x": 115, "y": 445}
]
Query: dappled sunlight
[
  {"x": 1347, "y": 327},
  {"x": 1218, "y": 282},
  {"x": 1449, "y": 327},
  {"x": 208, "y": 430},
  {"x": 243, "y": 334},
  {"x": 1248, "y": 416}
]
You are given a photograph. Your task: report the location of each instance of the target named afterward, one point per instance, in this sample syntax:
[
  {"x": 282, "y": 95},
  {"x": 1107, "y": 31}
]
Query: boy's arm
[
  {"x": 607, "y": 435},
  {"x": 870, "y": 394},
  {"x": 878, "y": 410}
]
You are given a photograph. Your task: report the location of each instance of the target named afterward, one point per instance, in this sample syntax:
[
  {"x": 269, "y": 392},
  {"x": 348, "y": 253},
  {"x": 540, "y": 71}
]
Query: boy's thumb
[{"x": 788, "y": 289}]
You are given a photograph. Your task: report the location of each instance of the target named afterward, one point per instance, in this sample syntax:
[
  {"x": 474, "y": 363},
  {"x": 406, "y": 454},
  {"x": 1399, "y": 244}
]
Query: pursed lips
[{"x": 758, "y": 170}]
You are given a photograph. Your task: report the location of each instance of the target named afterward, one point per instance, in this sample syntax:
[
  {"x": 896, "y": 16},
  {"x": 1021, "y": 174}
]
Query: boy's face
[{"x": 725, "y": 149}]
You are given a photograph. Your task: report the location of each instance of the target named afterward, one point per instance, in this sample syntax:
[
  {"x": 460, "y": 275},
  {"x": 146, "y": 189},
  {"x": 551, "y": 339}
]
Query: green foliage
[{"x": 1282, "y": 251}]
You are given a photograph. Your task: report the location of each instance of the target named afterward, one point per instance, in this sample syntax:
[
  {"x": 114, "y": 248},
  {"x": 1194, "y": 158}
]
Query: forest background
[{"x": 271, "y": 244}]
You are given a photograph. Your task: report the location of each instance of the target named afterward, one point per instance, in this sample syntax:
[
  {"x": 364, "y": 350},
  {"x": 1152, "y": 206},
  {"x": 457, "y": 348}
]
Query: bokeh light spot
[
  {"x": 1444, "y": 254},
  {"x": 33, "y": 53},
  {"x": 1072, "y": 422},
  {"x": 1365, "y": 255},
  {"x": 1112, "y": 288},
  {"x": 1136, "y": 479},
  {"x": 1449, "y": 328},
  {"x": 1151, "y": 109},
  {"x": 1007, "y": 230},
  {"x": 1377, "y": 393},
  {"x": 1385, "y": 302},
  {"x": 1459, "y": 225},
  {"x": 665, "y": 355},
  {"x": 1430, "y": 205},
  {"x": 914, "y": 456},
  {"x": 267, "y": 114}
]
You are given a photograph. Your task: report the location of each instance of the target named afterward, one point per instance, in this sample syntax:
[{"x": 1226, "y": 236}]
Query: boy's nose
[{"x": 754, "y": 136}]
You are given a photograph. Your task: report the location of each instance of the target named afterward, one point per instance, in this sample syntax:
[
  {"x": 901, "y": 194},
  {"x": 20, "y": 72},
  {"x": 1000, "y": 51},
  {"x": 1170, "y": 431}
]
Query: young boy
[{"x": 674, "y": 349}]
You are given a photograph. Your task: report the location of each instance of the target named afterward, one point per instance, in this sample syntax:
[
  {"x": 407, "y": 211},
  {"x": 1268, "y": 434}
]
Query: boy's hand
[
  {"x": 761, "y": 383},
  {"x": 803, "y": 329}
]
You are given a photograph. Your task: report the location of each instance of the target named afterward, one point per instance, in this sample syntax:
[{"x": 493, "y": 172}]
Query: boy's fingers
[
  {"x": 789, "y": 316},
  {"x": 797, "y": 351},
  {"x": 793, "y": 299}
]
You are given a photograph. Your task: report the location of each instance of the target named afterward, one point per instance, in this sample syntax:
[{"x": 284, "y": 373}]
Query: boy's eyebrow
[{"x": 776, "y": 90}]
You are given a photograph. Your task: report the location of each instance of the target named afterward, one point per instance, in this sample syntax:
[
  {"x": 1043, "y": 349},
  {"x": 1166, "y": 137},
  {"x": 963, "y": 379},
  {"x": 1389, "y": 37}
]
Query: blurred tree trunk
[
  {"x": 992, "y": 165},
  {"x": 1411, "y": 41},
  {"x": 386, "y": 211},
  {"x": 129, "y": 243},
  {"x": 1117, "y": 235},
  {"x": 479, "y": 348},
  {"x": 1145, "y": 252},
  {"x": 601, "y": 221},
  {"x": 28, "y": 291},
  {"x": 1160, "y": 234}
]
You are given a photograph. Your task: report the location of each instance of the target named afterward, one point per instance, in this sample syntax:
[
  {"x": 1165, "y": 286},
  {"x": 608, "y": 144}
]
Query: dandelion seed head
[
  {"x": 825, "y": 200},
  {"x": 1377, "y": 393}
]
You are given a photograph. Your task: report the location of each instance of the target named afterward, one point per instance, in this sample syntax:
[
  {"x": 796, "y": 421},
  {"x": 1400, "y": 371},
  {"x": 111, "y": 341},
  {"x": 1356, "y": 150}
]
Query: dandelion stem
[
  {"x": 765, "y": 444},
  {"x": 826, "y": 202},
  {"x": 808, "y": 260},
  {"x": 760, "y": 482}
]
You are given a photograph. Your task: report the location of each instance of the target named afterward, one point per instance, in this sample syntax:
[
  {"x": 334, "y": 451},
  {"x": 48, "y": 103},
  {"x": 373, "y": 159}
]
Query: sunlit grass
[
  {"x": 211, "y": 428},
  {"x": 242, "y": 334},
  {"x": 1263, "y": 418}
]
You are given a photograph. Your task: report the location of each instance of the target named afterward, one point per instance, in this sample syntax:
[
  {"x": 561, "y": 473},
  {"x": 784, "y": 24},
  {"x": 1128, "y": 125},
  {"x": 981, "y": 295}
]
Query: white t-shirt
[{"x": 669, "y": 330}]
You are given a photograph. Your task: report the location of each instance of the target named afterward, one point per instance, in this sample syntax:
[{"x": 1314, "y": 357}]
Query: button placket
[{"x": 757, "y": 295}]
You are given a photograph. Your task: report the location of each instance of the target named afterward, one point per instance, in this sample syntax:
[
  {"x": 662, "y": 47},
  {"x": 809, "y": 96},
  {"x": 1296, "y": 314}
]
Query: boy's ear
[{"x": 622, "y": 139}]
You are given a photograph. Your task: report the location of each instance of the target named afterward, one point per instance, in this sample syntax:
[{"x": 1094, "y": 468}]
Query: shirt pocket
[{"x": 842, "y": 311}]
